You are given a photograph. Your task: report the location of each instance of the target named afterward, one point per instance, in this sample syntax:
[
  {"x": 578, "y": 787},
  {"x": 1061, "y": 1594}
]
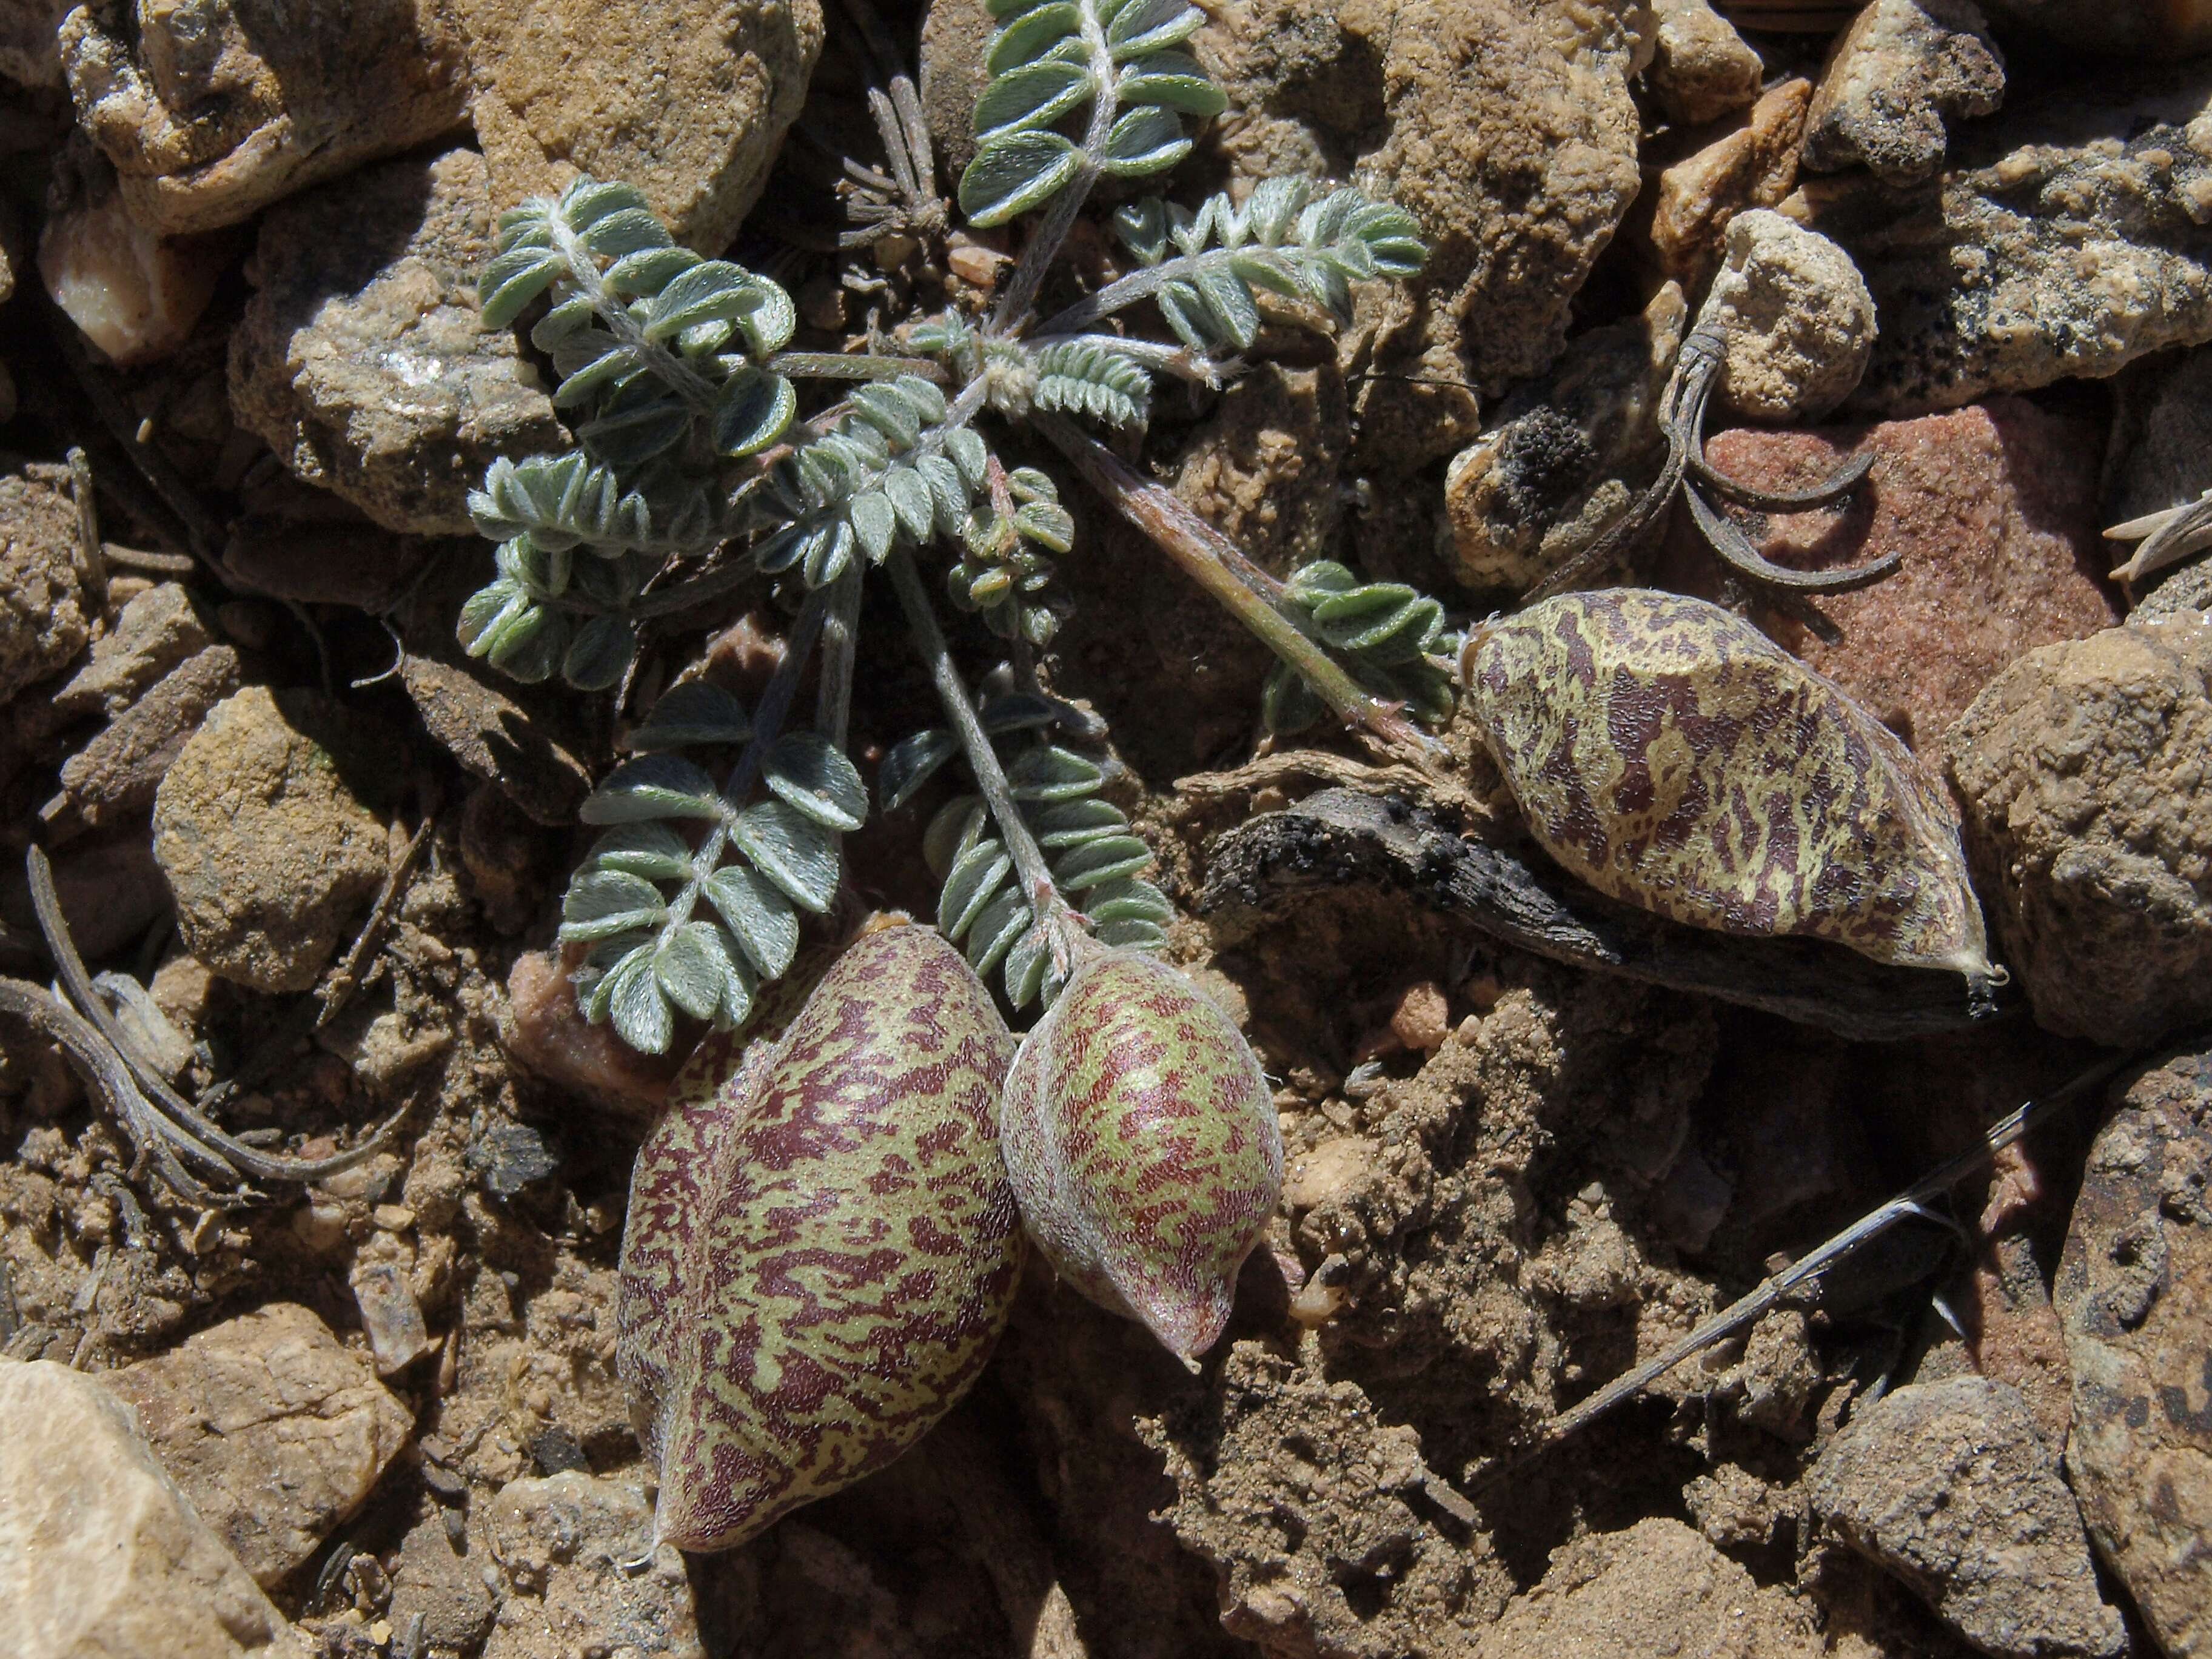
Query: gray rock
[
  {"x": 2064, "y": 239},
  {"x": 212, "y": 109},
  {"x": 2087, "y": 819},
  {"x": 391, "y": 1316},
  {"x": 264, "y": 840},
  {"x": 448, "y": 1592},
  {"x": 687, "y": 100},
  {"x": 116, "y": 774},
  {"x": 1894, "y": 81},
  {"x": 1700, "y": 67},
  {"x": 1797, "y": 319},
  {"x": 1506, "y": 129},
  {"x": 1546, "y": 482},
  {"x": 276, "y": 1431},
  {"x": 42, "y": 606},
  {"x": 561, "y": 1542},
  {"x": 157, "y": 631},
  {"x": 1947, "y": 1485},
  {"x": 2160, "y": 455},
  {"x": 360, "y": 360},
  {"x": 101, "y": 1554},
  {"x": 2134, "y": 1292}
]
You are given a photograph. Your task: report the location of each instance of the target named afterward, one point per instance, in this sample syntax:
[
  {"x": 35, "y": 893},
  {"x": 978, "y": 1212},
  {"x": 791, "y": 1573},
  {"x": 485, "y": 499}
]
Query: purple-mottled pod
[
  {"x": 1672, "y": 755},
  {"x": 1141, "y": 1137},
  {"x": 822, "y": 1245}
]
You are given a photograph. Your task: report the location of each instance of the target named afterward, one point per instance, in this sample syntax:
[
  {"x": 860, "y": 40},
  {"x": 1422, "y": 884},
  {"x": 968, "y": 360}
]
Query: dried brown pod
[{"x": 1672, "y": 756}]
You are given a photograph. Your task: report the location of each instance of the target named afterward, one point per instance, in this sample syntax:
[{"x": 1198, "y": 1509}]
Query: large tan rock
[
  {"x": 269, "y": 849},
  {"x": 2088, "y": 823},
  {"x": 567, "y": 1545},
  {"x": 359, "y": 359},
  {"x": 687, "y": 101},
  {"x": 101, "y": 1556},
  {"x": 42, "y": 606},
  {"x": 1504, "y": 126},
  {"x": 212, "y": 109},
  {"x": 275, "y": 1430}
]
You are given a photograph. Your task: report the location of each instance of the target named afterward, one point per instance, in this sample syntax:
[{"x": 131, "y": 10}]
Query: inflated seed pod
[
  {"x": 1141, "y": 1138},
  {"x": 1672, "y": 755},
  {"x": 822, "y": 1245}
]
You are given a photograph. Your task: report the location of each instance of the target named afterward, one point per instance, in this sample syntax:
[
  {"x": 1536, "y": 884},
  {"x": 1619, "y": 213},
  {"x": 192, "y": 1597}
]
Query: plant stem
[
  {"x": 1042, "y": 248},
  {"x": 1126, "y": 291},
  {"x": 833, "y": 709},
  {"x": 768, "y": 725},
  {"x": 1210, "y": 560},
  {"x": 853, "y": 366},
  {"x": 1046, "y": 904},
  {"x": 659, "y": 361}
]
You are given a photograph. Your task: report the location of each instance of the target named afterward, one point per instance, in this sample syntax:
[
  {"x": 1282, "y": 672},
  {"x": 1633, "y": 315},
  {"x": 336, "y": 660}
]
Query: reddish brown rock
[
  {"x": 1995, "y": 509},
  {"x": 547, "y": 1033}
]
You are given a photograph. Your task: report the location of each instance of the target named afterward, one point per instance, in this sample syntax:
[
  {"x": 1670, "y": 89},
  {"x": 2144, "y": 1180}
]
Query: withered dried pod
[
  {"x": 1672, "y": 755},
  {"x": 1141, "y": 1137},
  {"x": 822, "y": 1245}
]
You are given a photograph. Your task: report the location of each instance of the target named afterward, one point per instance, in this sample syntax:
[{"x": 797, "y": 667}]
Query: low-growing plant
[{"x": 700, "y": 470}]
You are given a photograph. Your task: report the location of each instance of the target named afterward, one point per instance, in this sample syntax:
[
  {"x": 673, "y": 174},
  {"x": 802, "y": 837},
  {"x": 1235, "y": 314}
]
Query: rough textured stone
[
  {"x": 496, "y": 738},
  {"x": 2088, "y": 823},
  {"x": 1894, "y": 81},
  {"x": 447, "y": 1590},
  {"x": 1657, "y": 1587},
  {"x": 264, "y": 840},
  {"x": 360, "y": 360},
  {"x": 688, "y": 102},
  {"x": 562, "y": 1543},
  {"x": 1947, "y": 1485},
  {"x": 1993, "y": 509},
  {"x": 212, "y": 109},
  {"x": 42, "y": 606},
  {"x": 1798, "y": 320},
  {"x": 2135, "y": 1293},
  {"x": 1752, "y": 166},
  {"x": 1548, "y": 480},
  {"x": 156, "y": 630},
  {"x": 391, "y": 1315},
  {"x": 1504, "y": 126},
  {"x": 954, "y": 34},
  {"x": 101, "y": 1554},
  {"x": 115, "y": 776},
  {"x": 2069, "y": 235},
  {"x": 134, "y": 293},
  {"x": 274, "y": 1430},
  {"x": 1700, "y": 67}
]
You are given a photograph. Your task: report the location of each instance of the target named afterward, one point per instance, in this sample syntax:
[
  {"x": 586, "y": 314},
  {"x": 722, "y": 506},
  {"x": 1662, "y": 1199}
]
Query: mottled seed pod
[
  {"x": 822, "y": 1245},
  {"x": 1672, "y": 755},
  {"x": 1141, "y": 1138}
]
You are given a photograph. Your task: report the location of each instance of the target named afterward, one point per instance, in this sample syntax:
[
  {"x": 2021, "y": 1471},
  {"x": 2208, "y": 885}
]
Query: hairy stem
[
  {"x": 1046, "y": 903},
  {"x": 1126, "y": 291},
  {"x": 833, "y": 709},
  {"x": 1210, "y": 560},
  {"x": 1044, "y": 247},
  {"x": 768, "y": 725},
  {"x": 662, "y": 364},
  {"x": 853, "y": 366}
]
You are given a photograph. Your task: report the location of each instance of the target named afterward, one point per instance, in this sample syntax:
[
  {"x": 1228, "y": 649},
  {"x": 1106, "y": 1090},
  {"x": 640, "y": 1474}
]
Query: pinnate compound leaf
[
  {"x": 758, "y": 915},
  {"x": 813, "y": 775},
  {"x": 790, "y": 849},
  {"x": 696, "y": 711},
  {"x": 655, "y": 787},
  {"x": 1012, "y": 174}
]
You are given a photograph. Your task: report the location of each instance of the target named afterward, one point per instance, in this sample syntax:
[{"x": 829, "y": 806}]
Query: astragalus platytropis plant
[{"x": 1137, "y": 1130}]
